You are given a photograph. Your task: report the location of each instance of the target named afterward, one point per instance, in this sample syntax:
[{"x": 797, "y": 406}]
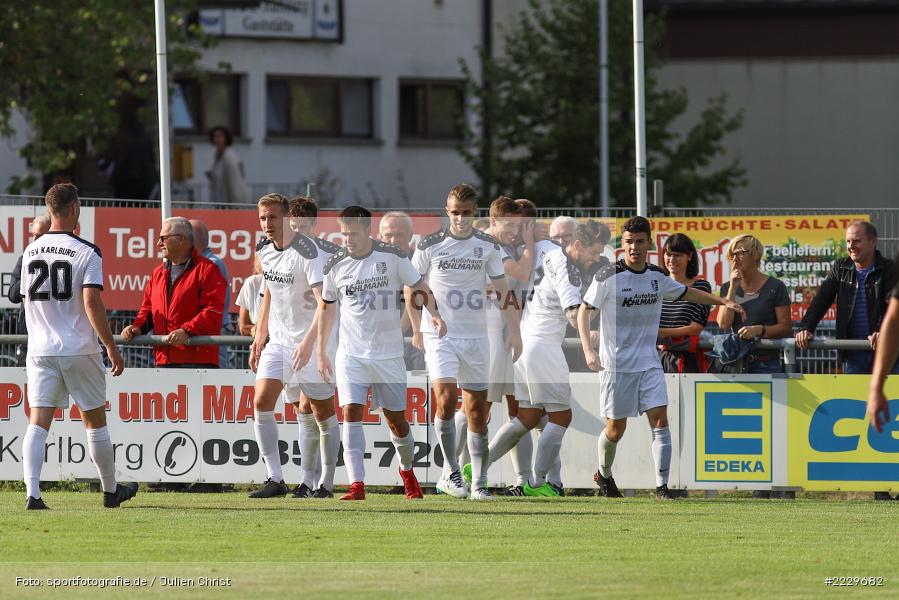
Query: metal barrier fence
[{"x": 820, "y": 358}]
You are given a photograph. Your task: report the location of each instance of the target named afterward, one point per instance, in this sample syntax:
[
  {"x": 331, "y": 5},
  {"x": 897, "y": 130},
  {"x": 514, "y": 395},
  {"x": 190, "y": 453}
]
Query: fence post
[{"x": 789, "y": 348}]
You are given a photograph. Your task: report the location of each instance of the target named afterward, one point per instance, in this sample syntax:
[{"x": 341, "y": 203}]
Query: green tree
[
  {"x": 68, "y": 65},
  {"x": 541, "y": 102}
]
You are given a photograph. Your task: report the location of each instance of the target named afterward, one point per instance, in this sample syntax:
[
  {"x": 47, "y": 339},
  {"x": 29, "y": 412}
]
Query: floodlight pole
[
  {"x": 604, "y": 106},
  {"x": 639, "y": 109},
  {"x": 162, "y": 101}
]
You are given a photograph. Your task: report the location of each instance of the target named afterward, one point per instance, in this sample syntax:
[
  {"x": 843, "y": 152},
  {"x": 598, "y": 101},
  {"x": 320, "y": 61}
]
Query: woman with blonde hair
[{"x": 765, "y": 300}]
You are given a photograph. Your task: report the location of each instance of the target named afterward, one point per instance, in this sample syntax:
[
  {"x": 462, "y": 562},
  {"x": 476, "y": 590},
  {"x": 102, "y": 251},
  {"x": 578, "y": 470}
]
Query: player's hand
[
  {"x": 513, "y": 345},
  {"x": 592, "y": 359},
  {"x": 324, "y": 367},
  {"x": 255, "y": 352},
  {"x": 804, "y": 337},
  {"x": 736, "y": 308},
  {"x": 439, "y": 326},
  {"x": 178, "y": 337},
  {"x": 116, "y": 360},
  {"x": 418, "y": 341},
  {"x": 594, "y": 339},
  {"x": 302, "y": 354},
  {"x": 129, "y": 332},
  {"x": 878, "y": 409},
  {"x": 872, "y": 339},
  {"x": 527, "y": 232}
]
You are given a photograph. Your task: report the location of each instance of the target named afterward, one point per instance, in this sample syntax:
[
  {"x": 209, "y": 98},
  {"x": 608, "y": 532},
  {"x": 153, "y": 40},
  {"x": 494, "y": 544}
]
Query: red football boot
[
  {"x": 413, "y": 490},
  {"x": 356, "y": 492}
]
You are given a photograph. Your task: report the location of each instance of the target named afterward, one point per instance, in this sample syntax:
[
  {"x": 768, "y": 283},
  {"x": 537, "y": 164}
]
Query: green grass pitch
[{"x": 445, "y": 548}]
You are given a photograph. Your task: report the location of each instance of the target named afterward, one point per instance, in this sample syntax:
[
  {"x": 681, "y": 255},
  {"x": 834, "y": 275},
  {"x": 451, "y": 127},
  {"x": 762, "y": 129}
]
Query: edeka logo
[
  {"x": 832, "y": 445},
  {"x": 733, "y": 432}
]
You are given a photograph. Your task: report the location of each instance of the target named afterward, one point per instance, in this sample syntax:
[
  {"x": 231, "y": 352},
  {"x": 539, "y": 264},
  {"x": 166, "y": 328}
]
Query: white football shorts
[
  {"x": 501, "y": 378},
  {"x": 386, "y": 378},
  {"x": 624, "y": 395},
  {"x": 276, "y": 362},
  {"x": 52, "y": 379},
  {"x": 541, "y": 376},
  {"x": 462, "y": 359}
]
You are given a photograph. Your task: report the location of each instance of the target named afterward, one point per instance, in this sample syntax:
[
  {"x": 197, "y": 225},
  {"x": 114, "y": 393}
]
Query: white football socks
[
  {"x": 266, "y": 431},
  {"x": 309, "y": 443},
  {"x": 100, "y": 448},
  {"x": 461, "y": 421},
  {"x": 506, "y": 438},
  {"x": 329, "y": 442},
  {"x": 353, "y": 450},
  {"x": 33, "y": 458},
  {"x": 405, "y": 449},
  {"x": 606, "y": 454},
  {"x": 661, "y": 454},
  {"x": 479, "y": 448},
  {"x": 446, "y": 437},
  {"x": 548, "y": 447},
  {"x": 522, "y": 455}
]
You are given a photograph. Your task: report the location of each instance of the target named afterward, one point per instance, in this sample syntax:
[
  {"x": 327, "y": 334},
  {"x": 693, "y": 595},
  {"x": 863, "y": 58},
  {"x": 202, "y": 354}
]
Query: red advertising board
[{"x": 127, "y": 237}]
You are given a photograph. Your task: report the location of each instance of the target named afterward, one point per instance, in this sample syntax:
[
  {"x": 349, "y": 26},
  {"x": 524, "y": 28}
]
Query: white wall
[
  {"x": 384, "y": 41},
  {"x": 817, "y": 133}
]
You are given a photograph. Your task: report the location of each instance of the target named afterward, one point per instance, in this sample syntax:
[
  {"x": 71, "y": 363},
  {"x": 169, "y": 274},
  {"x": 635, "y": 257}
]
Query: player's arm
[
  {"x": 303, "y": 351},
  {"x": 261, "y": 329},
  {"x": 585, "y": 314},
  {"x": 884, "y": 359},
  {"x": 700, "y": 297},
  {"x": 96, "y": 314},
  {"x": 326, "y": 315},
  {"x": 571, "y": 314},
  {"x": 417, "y": 296},
  {"x": 244, "y": 324},
  {"x": 511, "y": 316},
  {"x": 683, "y": 331},
  {"x": 522, "y": 268}
]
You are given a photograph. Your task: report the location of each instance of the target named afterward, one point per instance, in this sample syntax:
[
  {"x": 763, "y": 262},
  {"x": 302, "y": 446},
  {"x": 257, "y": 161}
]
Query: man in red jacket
[{"x": 185, "y": 297}]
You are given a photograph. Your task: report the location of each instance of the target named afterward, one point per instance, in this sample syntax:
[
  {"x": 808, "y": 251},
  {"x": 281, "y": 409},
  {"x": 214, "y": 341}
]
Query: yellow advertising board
[
  {"x": 733, "y": 431},
  {"x": 831, "y": 444}
]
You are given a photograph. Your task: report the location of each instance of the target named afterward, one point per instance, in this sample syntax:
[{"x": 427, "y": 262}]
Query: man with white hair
[
  {"x": 395, "y": 228},
  {"x": 561, "y": 230}
]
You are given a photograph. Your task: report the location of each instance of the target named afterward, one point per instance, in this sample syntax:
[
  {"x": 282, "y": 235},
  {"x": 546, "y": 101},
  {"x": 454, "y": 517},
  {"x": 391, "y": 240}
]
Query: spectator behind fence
[
  {"x": 765, "y": 300},
  {"x": 561, "y": 230},
  {"x": 395, "y": 228},
  {"x": 860, "y": 285},
  {"x": 227, "y": 183},
  {"x": 201, "y": 245},
  {"x": 185, "y": 297},
  {"x": 250, "y": 300},
  {"x": 39, "y": 226},
  {"x": 682, "y": 322}
]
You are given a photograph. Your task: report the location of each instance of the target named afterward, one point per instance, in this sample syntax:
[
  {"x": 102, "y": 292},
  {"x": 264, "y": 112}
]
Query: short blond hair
[
  {"x": 275, "y": 198},
  {"x": 749, "y": 243}
]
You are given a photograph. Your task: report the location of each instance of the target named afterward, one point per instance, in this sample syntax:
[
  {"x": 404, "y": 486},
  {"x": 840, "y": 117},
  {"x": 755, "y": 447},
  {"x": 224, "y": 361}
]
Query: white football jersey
[
  {"x": 369, "y": 291},
  {"x": 630, "y": 307},
  {"x": 55, "y": 269},
  {"x": 556, "y": 286},
  {"x": 290, "y": 273},
  {"x": 455, "y": 270},
  {"x": 250, "y": 296}
]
